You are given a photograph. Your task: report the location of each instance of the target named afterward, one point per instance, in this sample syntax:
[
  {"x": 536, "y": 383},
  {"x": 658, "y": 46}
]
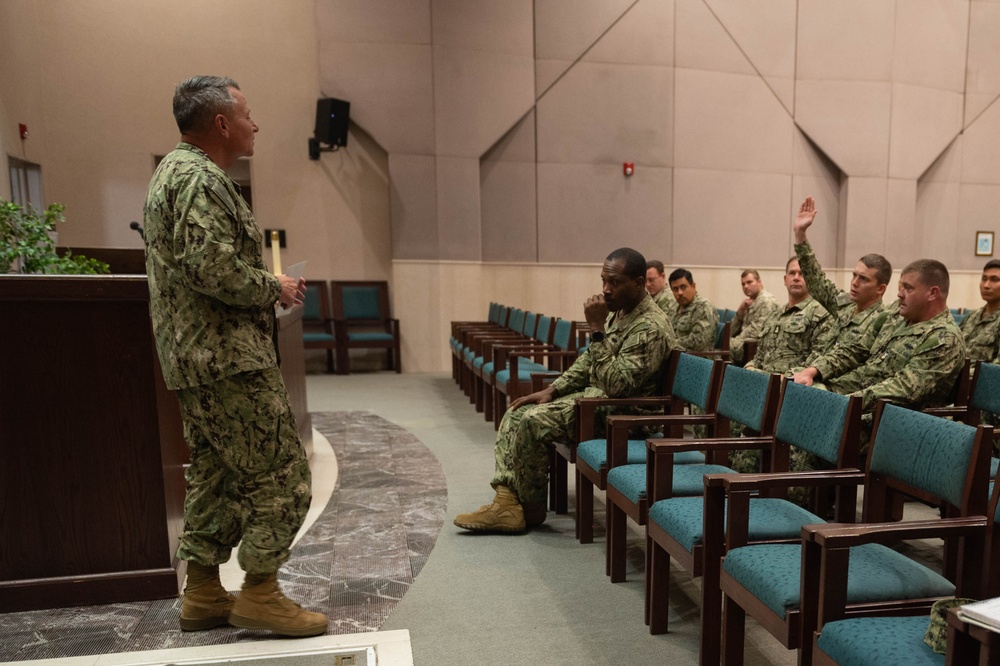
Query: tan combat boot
[
  {"x": 206, "y": 603},
  {"x": 261, "y": 605},
  {"x": 503, "y": 515}
]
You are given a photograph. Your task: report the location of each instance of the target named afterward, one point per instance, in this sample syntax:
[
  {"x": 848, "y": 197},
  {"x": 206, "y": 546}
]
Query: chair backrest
[
  {"x": 722, "y": 335},
  {"x": 312, "y": 303},
  {"x": 530, "y": 324},
  {"x": 986, "y": 391},
  {"x": 823, "y": 423},
  {"x": 516, "y": 321},
  {"x": 563, "y": 337},
  {"x": 750, "y": 398},
  {"x": 931, "y": 458},
  {"x": 503, "y": 315},
  {"x": 358, "y": 301},
  {"x": 694, "y": 379},
  {"x": 544, "y": 331},
  {"x": 494, "y": 312}
]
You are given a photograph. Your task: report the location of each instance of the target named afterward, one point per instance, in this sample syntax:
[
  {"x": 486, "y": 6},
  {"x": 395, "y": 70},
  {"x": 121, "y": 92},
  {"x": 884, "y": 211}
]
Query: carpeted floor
[{"x": 354, "y": 563}]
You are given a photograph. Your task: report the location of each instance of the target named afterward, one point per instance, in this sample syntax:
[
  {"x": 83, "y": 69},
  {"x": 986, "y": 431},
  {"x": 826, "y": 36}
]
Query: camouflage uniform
[
  {"x": 696, "y": 325},
  {"x": 212, "y": 307},
  {"x": 750, "y": 325},
  {"x": 847, "y": 326},
  {"x": 982, "y": 335},
  {"x": 914, "y": 365},
  {"x": 788, "y": 336},
  {"x": 665, "y": 299},
  {"x": 625, "y": 364}
]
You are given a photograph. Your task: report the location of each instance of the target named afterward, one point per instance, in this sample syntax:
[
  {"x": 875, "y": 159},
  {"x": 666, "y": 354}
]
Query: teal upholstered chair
[
  {"x": 361, "y": 319},
  {"x": 465, "y": 335},
  {"x": 473, "y": 347},
  {"x": 495, "y": 318},
  {"x": 696, "y": 382},
  {"x": 693, "y": 530},
  {"x": 874, "y": 641},
  {"x": 317, "y": 324},
  {"x": 483, "y": 365},
  {"x": 590, "y": 454},
  {"x": 981, "y": 395},
  {"x": 915, "y": 454}
]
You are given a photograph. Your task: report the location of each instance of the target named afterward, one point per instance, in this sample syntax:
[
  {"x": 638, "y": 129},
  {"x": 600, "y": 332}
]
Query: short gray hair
[{"x": 200, "y": 98}]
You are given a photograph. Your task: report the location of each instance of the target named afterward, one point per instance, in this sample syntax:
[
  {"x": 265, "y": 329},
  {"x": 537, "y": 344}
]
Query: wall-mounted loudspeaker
[{"x": 332, "y": 119}]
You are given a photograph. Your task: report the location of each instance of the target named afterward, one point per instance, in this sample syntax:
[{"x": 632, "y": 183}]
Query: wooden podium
[{"x": 91, "y": 446}]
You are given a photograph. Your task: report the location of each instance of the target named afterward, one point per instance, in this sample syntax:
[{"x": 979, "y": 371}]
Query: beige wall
[
  {"x": 93, "y": 80},
  {"x": 486, "y": 158}
]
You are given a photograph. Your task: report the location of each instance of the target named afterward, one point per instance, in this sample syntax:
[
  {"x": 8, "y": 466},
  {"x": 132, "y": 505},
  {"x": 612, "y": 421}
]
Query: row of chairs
[
  {"x": 760, "y": 554},
  {"x": 349, "y": 314}
]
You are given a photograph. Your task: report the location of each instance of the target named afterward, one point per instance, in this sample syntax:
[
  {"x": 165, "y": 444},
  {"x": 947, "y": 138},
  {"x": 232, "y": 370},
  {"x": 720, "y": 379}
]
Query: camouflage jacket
[
  {"x": 847, "y": 326},
  {"x": 750, "y": 325},
  {"x": 789, "y": 336},
  {"x": 665, "y": 299},
  {"x": 982, "y": 335},
  {"x": 628, "y": 362},
  {"x": 211, "y": 297},
  {"x": 914, "y": 365},
  {"x": 696, "y": 325}
]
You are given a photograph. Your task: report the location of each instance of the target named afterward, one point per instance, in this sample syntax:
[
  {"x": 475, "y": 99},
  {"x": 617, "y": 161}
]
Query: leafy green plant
[{"x": 26, "y": 240}]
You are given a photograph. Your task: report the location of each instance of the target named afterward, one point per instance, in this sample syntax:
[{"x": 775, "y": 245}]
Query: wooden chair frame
[{"x": 386, "y": 322}]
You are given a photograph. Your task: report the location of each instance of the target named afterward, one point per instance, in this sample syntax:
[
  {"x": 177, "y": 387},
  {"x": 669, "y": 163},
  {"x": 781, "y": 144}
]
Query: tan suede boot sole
[{"x": 504, "y": 519}]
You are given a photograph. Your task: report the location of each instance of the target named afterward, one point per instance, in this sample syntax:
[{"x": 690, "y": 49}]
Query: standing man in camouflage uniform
[
  {"x": 792, "y": 332},
  {"x": 753, "y": 311},
  {"x": 630, "y": 340},
  {"x": 981, "y": 328},
  {"x": 212, "y": 306},
  {"x": 656, "y": 285},
  {"x": 856, "y": 316},
  {"x": 915, "y": 359},
  {"x": 696, "y": 320}
]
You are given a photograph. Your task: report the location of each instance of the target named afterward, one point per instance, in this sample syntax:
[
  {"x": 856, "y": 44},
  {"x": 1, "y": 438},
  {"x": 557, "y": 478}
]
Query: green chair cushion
[
  {"x": 682, "y": 518},
  {"x": 317, "y": 337},
  {"x": 771, "y": 573},
  {"x": 524, "y": 372},
  {"x": 594, "y": 453},
  {"x": 630, "y": 480},
  {"x": 360, "y": 336},
  {"x": 874, "y": 641},
  {"x": 361, "y": 303}
]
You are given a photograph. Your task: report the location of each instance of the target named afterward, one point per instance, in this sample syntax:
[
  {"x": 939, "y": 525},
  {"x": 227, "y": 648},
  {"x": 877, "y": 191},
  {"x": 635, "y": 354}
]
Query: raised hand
[{"x": 804, "y": 220}]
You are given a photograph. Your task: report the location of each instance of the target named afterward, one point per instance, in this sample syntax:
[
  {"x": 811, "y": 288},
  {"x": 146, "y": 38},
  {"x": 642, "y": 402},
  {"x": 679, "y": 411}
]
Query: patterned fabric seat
[{"x": 879, "y": 640}]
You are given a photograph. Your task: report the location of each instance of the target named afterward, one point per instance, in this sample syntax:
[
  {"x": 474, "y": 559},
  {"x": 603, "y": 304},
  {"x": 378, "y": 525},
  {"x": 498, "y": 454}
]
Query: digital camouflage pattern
[
  {"x": 914, "y": 365},
  {"x": 696, "y": 325},
  {"x": 626, "y": 364},
  {"x": 211, "y": 297},
  {"x": 936, "y": 635},
  {"x": 212, "y": 306},
  {"x": 789, "y": 336},
  {"x": 847, "y": 326},
  {"x": 249, "y": 478},
  {"x": 982, "y": 335},
  {"x": 750, "y": 325},
  {"x": 665, "y": 299}
]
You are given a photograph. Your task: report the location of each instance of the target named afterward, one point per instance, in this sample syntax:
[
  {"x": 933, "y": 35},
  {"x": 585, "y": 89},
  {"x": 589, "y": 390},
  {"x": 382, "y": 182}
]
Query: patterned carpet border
[{"x": 354, "y": 563}]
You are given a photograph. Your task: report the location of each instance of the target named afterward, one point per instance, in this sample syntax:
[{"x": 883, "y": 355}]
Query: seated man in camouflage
[
  {"x": 981, "y": 328},
  {"x": 656, "y": 285},
  {"x": 790, "y": 333},
  {"x": 753, "y": 311},
  {"x": 858, "y": 315},
  {"x": 696, "y": 320},
  {"x": 916, "y": 357},
  {"x": 630, "y": 340}
]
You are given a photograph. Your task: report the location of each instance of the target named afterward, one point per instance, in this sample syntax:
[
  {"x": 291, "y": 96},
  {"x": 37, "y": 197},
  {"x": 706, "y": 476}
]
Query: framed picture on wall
[{"x": 984, "y": 243}]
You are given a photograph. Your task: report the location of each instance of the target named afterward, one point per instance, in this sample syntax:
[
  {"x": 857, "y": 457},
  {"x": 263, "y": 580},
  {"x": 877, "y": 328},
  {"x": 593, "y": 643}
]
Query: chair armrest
[
  {"x": 767, "y": 481},
  {"x": 538, "y": 380},
  {"x": 846, "y": 535},
  {"x": 673, "y": 445}
]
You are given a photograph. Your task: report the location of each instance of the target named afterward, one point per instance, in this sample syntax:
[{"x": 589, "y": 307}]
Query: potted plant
[{"x": 26, "y": 243}]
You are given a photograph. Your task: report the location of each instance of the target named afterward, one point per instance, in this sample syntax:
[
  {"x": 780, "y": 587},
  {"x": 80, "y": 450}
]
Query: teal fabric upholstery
[
  {"x": 743, "y": 395},
  {"x": 594, "y": 453},
  {"x": 908, "y": 447},
  {"x": 986, "y": 395},
  {"x": 563, "y": 336},
  {"x": 772, "y": 572},
  {"x": 310, "y": 303},
  {"x": 875, "y": 641},
  {"x": 812, "y": 419},
  {"x": 630, "y": 480},
  {"x": 692, "y": 379},
  {"x": 317, "y": 337},
  {"x": 682, "y": 518},
  {"x": 360, "y": 336},
  {"x": 361, "y": 303},
  {"x": 530, "y": 323},
  {"x": 524, "y": 372},
  {"x": 544, "y": 329}
]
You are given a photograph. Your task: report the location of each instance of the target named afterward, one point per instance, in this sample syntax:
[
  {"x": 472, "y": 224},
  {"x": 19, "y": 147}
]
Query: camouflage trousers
[{"x": 249, "y": 478}]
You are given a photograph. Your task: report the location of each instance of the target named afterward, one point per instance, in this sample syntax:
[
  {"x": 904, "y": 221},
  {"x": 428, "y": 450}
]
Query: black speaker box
[{"x": 332, "y": 118}]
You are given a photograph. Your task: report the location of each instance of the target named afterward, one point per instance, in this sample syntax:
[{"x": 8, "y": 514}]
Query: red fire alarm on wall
[
  {"x": 22, "y": 130},
  {"x": 628, "y": 168}
]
